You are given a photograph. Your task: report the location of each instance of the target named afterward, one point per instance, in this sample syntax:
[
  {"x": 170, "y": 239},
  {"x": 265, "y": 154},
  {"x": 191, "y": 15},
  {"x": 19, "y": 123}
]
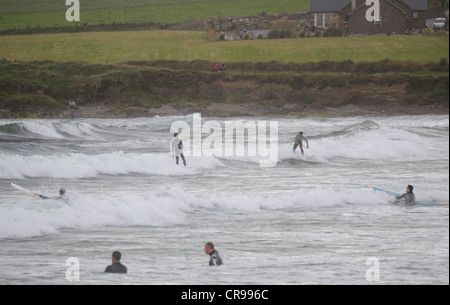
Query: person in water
[
  {"x": 62, "y": 193},
  {"x": 177, "y": 149},
  {"x": 299, "y": 142},
  {"x": 116, "y": 266},
  {"x": 215, "y": 260},
  {"x": 410, "y": 198}
]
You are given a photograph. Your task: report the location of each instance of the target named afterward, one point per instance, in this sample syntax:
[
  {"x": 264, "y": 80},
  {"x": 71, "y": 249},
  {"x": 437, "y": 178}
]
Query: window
[
  {"x": 322, "y": 19},
  {"x": 415, "y": 15},
  {"x": 327, "y": 18},
  {"x": 319, "y": 20}
]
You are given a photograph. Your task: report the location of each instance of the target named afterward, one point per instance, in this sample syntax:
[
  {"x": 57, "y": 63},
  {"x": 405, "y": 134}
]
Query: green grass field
[
  {"x": 116, "y": 47},
  {"x": 42, "y": 13}
]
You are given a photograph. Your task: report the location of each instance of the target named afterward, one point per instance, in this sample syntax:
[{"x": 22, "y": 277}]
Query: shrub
[
  {"x": 282, "y": 29},
  {"x": 333, "y": 32},
  {"x": 336, "y": 27},
  {"x": 427, "y": 31}
]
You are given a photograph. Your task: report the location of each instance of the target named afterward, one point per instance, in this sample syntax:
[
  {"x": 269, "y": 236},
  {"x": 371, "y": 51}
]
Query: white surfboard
[{"x": 27, "y": 191}]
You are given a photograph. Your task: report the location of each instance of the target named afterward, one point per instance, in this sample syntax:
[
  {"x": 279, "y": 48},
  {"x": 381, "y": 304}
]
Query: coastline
[
  {"x": 45, "y": 90},
  {"x": 255, "y": 110}
]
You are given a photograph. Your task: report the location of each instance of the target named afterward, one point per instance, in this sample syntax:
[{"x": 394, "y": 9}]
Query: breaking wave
[
  {"x": 77, "y": 165},
  {"x": 24, "y": 217}
]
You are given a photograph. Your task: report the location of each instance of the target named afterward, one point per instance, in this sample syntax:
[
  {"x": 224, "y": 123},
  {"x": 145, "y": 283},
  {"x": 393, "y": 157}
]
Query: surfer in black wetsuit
[
  {"x": 299, "y": 142},
  {"x": 62, "y": 193},
  {"x": 176, "y": 147},
  {"x": 116, "y": 266},
  {"x": 410, "y": 198},
  {"x": 215, "y": 259}
]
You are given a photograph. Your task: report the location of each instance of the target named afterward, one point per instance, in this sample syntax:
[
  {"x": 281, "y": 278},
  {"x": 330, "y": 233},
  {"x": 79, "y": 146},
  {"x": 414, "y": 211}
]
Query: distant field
[
  {"x": 22, "y": 14},
  {"x": 116, "y": 47}
]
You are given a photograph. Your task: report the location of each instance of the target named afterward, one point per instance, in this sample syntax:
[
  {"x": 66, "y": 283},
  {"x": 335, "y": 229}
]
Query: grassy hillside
[
  {"x": 43, "y": 13},
  {"x": 42, "y": 89},
  {"x": 114, "y": 47}
]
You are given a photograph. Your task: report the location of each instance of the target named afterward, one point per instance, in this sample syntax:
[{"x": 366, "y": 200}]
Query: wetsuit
[
  {"x": 52, "y": 198},
  {"x": 177, "y": 150},
  {"x": 215, "y": 259},
  {"x": 116, "y": 268},
  {"x": 299, "y": 142},
  {"x": 410, "y": 199}
]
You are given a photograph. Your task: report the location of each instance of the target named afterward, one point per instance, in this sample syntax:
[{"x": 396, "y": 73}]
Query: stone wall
[{"x": 238, "y": 27}]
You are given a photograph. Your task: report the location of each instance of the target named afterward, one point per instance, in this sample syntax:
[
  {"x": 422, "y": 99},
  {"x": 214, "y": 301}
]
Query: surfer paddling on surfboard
[
  {"x": 177, "y": 149},
  {"x": 62, "y": 193},
  {"x": 299, "y": 142},
  {"x": 410, "y": 198}
]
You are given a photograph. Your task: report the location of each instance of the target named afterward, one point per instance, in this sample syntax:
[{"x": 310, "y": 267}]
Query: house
[
  {"x": 324, "y": 10},
  {"x": 373, "y": 16}
]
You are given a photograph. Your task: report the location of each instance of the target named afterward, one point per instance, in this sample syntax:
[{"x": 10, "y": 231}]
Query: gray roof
[
  {"x": 419, "y": 5},
  {"x": 326, "y": 6}
]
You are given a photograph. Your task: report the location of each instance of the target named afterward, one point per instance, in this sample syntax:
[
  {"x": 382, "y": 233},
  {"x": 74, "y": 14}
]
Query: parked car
[{"x": 438, "y": 24}]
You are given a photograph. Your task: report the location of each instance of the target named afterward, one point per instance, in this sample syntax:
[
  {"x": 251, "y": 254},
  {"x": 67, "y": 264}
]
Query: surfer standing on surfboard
[
  {"x": 177, "y": 149},
  {"x": 299, "y": 142}
]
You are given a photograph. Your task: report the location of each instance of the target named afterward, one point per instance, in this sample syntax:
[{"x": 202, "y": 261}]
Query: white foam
[
  {"x": 42, "y": 128},
  {"x": 257, "y": 202},
  {"x": 76, "y": 166},
  {"x": 163, "y": 207},
  {"x": 380, "y": 144},
  {"x": 31, "y": 218},
  {"x": 383, "y": 143},
  {"x": 28, "y": 217},
  {"x": 79, "y": 130}
]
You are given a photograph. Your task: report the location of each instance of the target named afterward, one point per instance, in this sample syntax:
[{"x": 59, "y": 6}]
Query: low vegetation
[{"x": 46, "y": 87}]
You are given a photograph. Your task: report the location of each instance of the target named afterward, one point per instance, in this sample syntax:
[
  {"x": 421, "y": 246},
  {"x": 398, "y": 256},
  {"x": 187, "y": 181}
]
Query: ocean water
[{"x": 312, "y": 219}]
